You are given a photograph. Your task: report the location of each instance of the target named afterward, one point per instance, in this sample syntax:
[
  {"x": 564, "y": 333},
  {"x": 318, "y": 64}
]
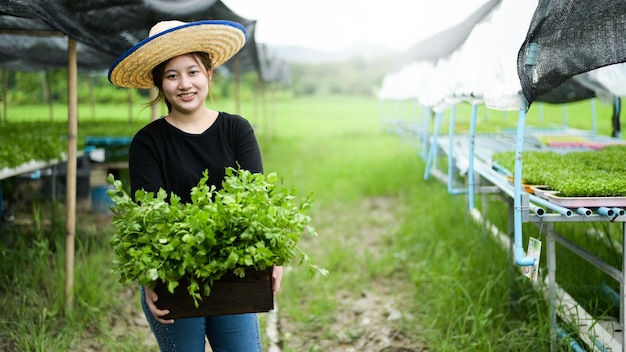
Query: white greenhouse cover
[
  {"x": 483, "y": 68},
  {"x": 606, "y": 82}
]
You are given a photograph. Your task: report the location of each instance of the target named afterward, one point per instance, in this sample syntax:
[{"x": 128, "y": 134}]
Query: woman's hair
[{"x": 157, "y": 76}]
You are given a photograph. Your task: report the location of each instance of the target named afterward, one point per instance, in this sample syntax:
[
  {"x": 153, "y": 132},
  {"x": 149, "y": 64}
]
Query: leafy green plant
[
  {"x": 252, "y": 221},
  {"x": 597, "y": 173}
]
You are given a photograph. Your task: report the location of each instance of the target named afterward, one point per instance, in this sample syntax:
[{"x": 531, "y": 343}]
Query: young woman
[{"x": 172, "y": 152}]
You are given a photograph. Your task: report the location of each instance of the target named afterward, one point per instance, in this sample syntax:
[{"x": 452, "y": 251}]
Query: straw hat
[{"x": 168, "y": 39}]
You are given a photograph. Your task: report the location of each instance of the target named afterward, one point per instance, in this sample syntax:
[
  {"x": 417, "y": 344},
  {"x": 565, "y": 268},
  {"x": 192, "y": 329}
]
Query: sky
[{"x": 331, "y": 25}]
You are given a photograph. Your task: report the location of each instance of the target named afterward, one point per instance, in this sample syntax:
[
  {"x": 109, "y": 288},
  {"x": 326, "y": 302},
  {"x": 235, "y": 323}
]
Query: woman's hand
[
  {"x": 277, "y": 274},
  {"x": 157, "y": 313}
]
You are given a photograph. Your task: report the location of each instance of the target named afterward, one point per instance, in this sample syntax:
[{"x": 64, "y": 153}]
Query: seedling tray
[
  {"x": 528, "y": 188},
  {"x": 542, "y": 191},
  {"x": 229, "y": 295},
  {"x": 587, "y": 202}
]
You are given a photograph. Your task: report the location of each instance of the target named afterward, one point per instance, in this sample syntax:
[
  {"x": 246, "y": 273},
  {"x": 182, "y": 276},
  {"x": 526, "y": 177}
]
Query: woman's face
[{"x": 186, "y": 83}]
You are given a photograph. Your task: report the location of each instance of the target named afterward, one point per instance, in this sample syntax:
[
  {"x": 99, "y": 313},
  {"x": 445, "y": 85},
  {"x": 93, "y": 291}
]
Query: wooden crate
[{"x": 229, "y": 295}]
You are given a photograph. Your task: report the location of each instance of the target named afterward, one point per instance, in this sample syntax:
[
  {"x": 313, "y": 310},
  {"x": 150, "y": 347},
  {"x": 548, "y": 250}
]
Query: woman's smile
[{"x": 187, "y": 96}]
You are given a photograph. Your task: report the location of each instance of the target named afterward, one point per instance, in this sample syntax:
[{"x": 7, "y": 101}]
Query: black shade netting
[
  {"x": 569, "y": 37},
  {"x": 567, "y": 92},
  {"x": 33, "y": 33}
]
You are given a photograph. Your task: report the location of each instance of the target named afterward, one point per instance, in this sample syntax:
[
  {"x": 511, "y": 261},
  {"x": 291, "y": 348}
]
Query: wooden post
[
  {"x": 255, "y": 107},
  {"x": 129, "y": 100},
  {"x": 70, "y": 195},
  {"x": 47, "y": 88},
  {"x": 267, "y": 129},
  {"x": 92, "y": 100},
  {"x": 271, "y": 108},
  {"x": 154, "y": 108},
  {"x": 237, "y": 92},
  {"x": 5, "y": 86}
]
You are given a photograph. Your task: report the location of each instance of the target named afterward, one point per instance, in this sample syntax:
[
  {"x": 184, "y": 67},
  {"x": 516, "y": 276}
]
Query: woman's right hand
[{"x": 157, "y": 313}]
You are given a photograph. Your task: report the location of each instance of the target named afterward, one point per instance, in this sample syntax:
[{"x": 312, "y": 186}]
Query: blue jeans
[{"x": 226, "y": 333}]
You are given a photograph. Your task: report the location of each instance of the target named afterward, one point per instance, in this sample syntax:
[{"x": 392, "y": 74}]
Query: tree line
[{"x": 357, "y": 76}]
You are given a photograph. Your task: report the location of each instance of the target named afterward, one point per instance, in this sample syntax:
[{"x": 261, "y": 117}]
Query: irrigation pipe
[
  {"x": 518, "y": 250},
  {"x": 425, "y": 128},
  {"x": 472, "y": 139},
  {"x": 610, "y": 294},
  {"x": 606, "y": 211},
  {"x": 559, "y": 209},
  {"x": 572, "y": 343},
  {"x": 432, "y": 151},
  {"x": 451, "y": 188},
  {"x": 496, "y": 179}
]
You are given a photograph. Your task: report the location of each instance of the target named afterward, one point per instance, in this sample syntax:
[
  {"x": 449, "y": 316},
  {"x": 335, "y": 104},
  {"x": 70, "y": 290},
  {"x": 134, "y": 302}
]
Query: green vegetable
[
  {"x": 598, "y": 173},
  {"x": 251, "y": 222},
  {"x": 23, "y": 142}
]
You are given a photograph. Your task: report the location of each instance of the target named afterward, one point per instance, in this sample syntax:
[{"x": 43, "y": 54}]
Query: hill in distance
[{"x": 305, "y": 55}]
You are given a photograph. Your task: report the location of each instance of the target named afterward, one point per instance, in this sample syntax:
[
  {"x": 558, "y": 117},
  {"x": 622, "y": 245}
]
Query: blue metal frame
[{"x": 519, "y": 252}]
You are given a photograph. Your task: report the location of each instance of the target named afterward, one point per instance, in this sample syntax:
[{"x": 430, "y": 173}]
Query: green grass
[
  {"x": 32, "y": 302},
  {"x": 457, "y": 287}
]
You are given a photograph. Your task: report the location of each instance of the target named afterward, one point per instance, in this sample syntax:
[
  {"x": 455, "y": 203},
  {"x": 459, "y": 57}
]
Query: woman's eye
[
  {"x": 171, "y": 76},
  {"x": 193, "y": 73}
]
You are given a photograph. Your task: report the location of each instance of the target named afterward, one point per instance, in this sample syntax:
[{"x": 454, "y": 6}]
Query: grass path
[{"x": 368, "y": 316}]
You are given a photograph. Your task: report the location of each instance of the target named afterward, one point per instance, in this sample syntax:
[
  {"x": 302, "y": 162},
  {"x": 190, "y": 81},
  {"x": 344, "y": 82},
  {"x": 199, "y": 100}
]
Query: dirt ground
[{"x": 368, "y": 321}]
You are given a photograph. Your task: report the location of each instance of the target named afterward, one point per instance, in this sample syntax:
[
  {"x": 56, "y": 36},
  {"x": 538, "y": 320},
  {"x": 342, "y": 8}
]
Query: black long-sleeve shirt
[{"x": 162, "y": 156}]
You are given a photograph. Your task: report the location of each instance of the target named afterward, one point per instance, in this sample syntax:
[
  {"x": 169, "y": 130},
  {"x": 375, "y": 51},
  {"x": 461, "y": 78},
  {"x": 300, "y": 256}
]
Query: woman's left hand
[{"x": 277, "y": 274}]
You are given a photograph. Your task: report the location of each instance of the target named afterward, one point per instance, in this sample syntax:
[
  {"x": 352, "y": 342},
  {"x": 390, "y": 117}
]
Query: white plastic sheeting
[
  {"x": 483, "y": 68},
  {"x": 508, "y": 30},
  {"x": 606, "y": 82}
]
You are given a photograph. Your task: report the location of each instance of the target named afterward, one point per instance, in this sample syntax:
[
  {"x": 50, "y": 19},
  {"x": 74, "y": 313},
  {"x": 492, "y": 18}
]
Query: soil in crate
[{"x": 229, "y": 295}]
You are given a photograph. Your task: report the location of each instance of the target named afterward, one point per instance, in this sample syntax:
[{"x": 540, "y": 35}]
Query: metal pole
[
  {"x": 520, "y": 255},
  {"x": 432, "y": 151},
  {"x": 550, "y": 252},
  {"x": 470, "y": 171},
  {"x": 622, "y": 292}
]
